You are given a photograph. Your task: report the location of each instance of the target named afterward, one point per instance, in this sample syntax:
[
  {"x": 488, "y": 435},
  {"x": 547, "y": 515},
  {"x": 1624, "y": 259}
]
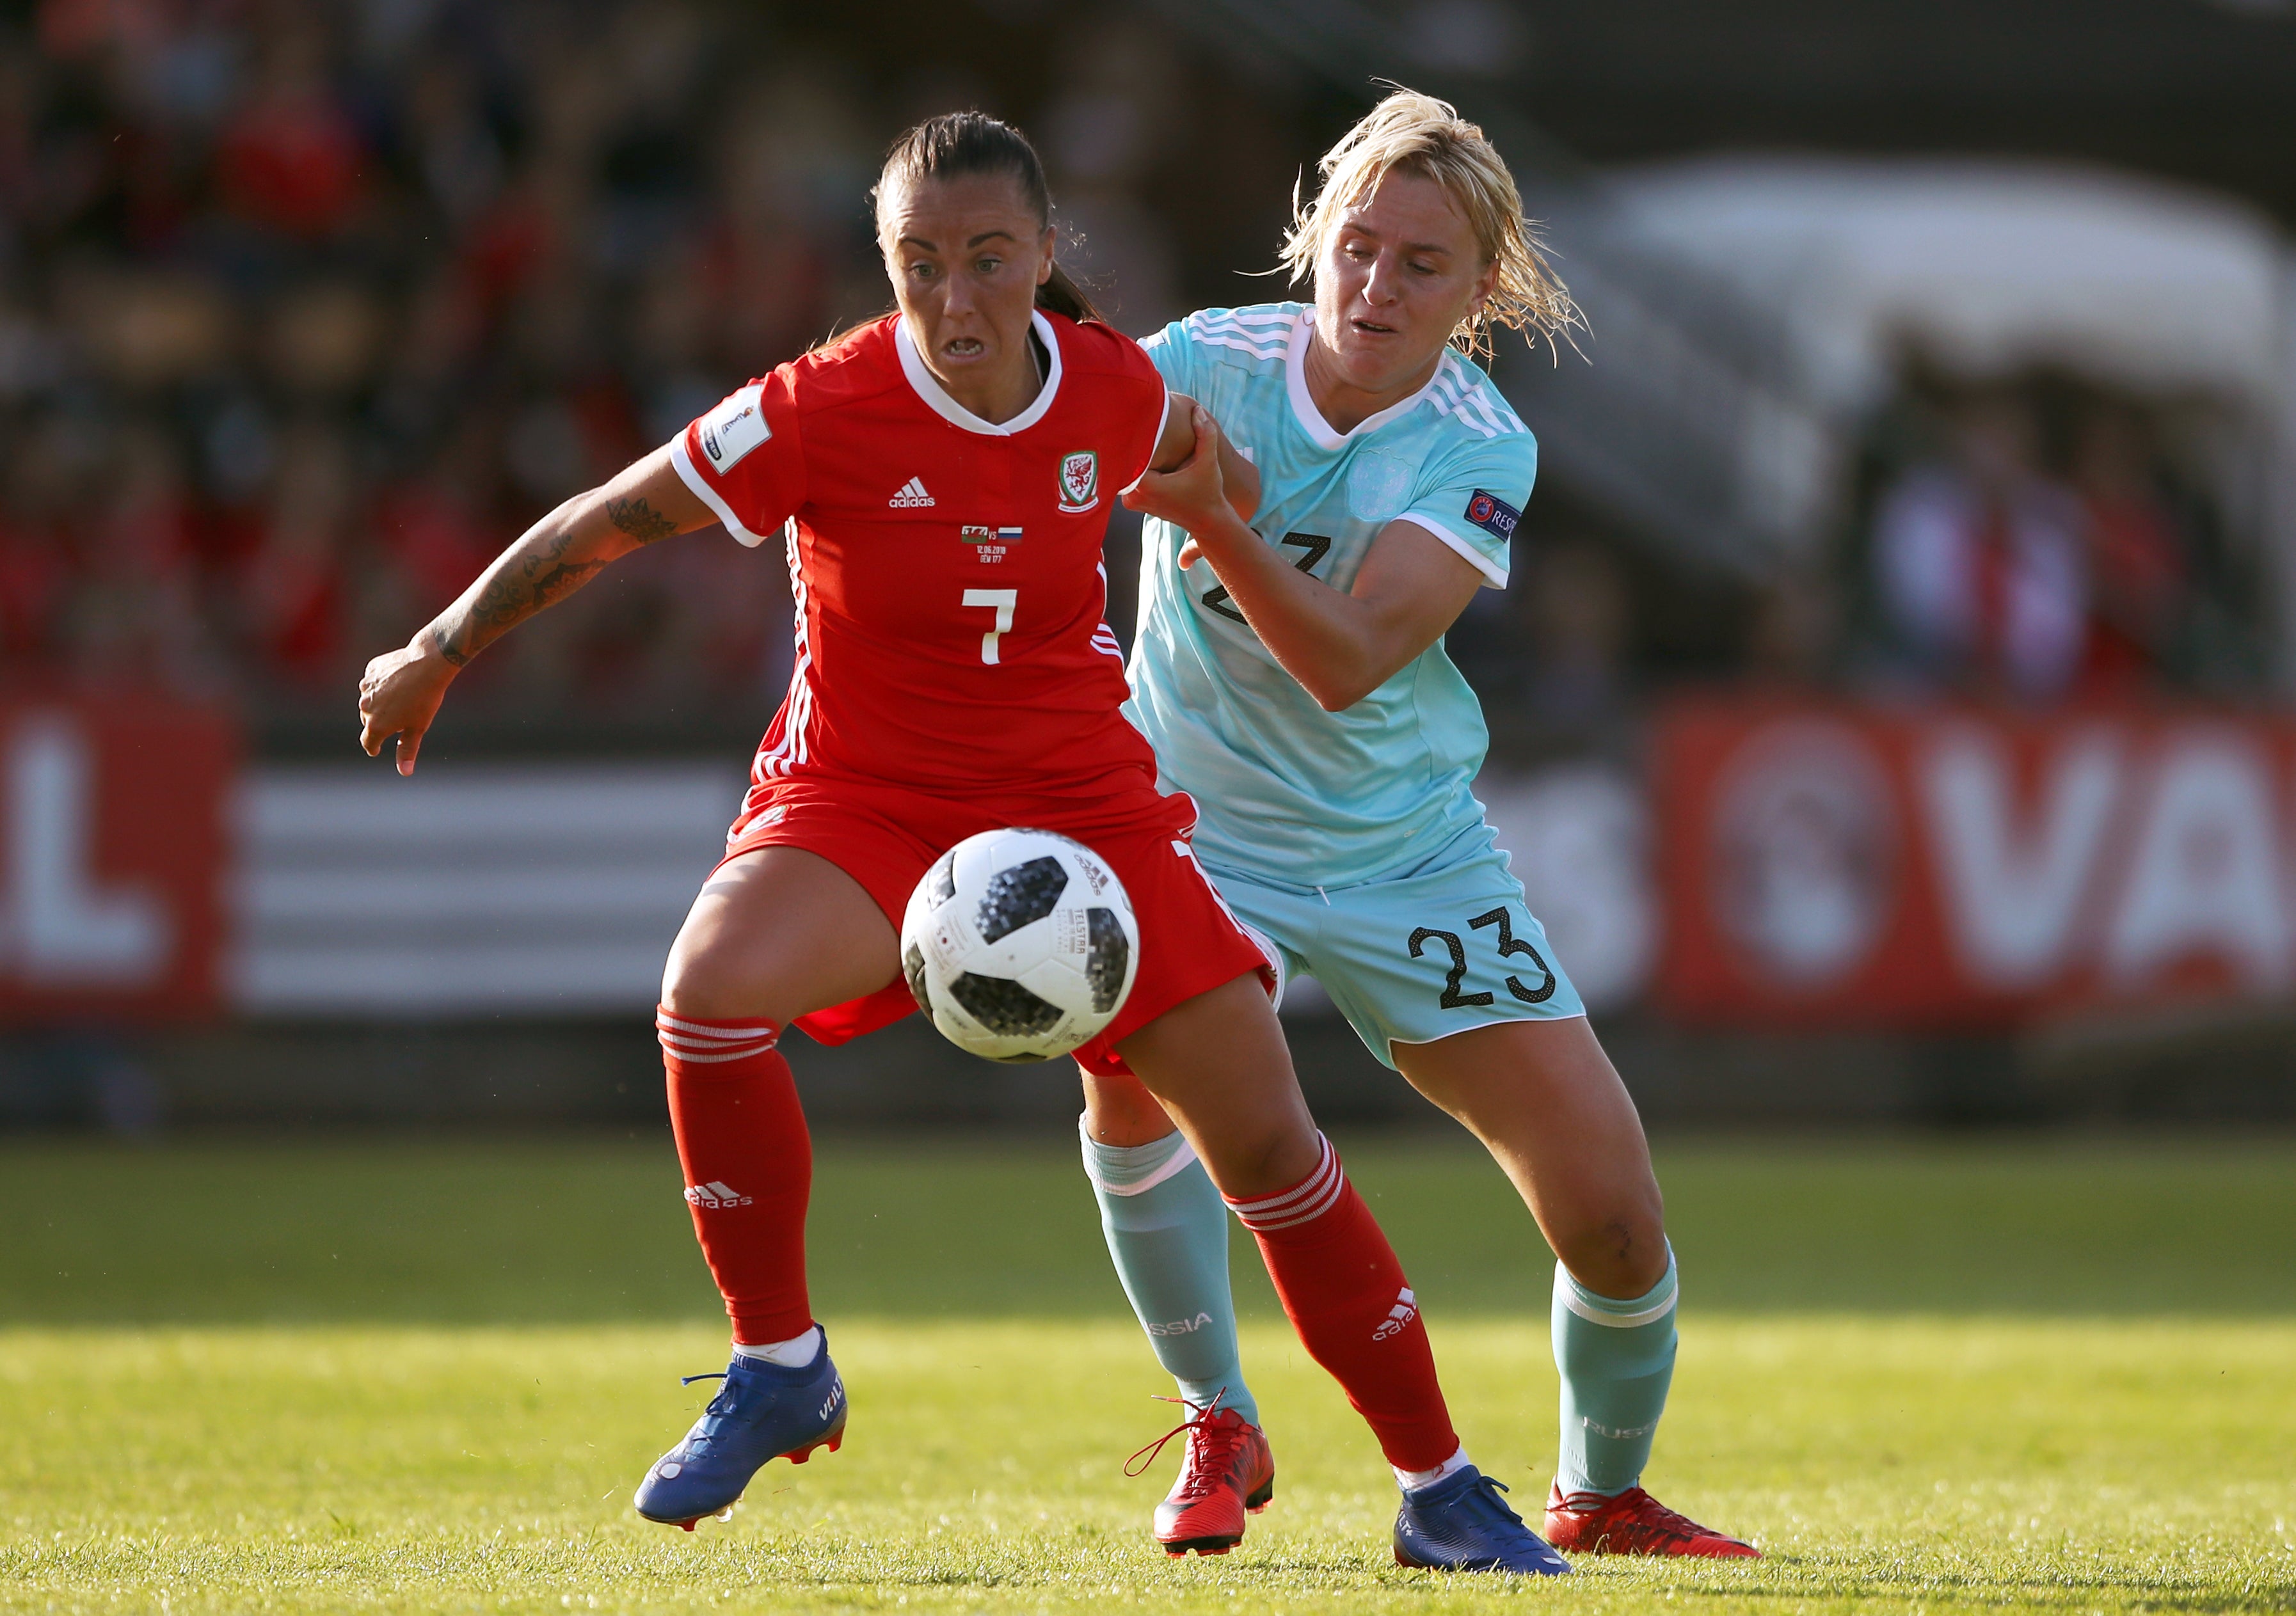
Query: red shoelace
[{"x": 1218, "y": 1443}]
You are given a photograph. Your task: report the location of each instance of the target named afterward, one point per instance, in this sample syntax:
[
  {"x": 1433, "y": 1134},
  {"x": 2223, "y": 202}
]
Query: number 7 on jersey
[{"x": 1003, "y": 600}]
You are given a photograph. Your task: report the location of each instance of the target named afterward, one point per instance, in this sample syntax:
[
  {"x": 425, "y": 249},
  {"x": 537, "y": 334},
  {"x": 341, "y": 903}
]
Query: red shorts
[{"x": 886, "y": 837}]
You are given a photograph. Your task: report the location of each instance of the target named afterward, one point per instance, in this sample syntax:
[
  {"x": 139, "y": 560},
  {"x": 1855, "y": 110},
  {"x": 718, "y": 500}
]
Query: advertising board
[
  {"x": 113, "y": 841},
  {"x": 1831, "y": 865}
]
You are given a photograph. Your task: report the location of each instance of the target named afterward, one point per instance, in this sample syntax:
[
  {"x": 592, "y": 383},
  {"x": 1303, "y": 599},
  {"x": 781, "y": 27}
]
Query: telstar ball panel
[
  {"x": 1004, "y": 1007},
  {"x": 913, "y": 966},
  {"x": 1019, "y": 895},
  {"x": 1107, "y": 959}
]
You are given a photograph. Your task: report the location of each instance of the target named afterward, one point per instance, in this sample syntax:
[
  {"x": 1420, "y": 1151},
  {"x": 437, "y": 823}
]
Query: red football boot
[
  {"x": 1227, "y": 1472},
  {"x": 1633, "y": 1523}
]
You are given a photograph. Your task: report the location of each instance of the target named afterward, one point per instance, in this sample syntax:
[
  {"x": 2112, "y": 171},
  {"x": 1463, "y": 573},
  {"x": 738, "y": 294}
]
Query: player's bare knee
[
  {"x": 1268, "y": 1164},
  {"x": 1118, "y": 1110},
  {"x": 1620, "y": 1251},
  {"x": 704, "y": 982}
]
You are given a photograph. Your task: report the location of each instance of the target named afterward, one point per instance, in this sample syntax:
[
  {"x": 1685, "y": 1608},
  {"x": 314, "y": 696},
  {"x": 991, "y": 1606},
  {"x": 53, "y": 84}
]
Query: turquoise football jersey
[{"x": 1287, "y": 791}]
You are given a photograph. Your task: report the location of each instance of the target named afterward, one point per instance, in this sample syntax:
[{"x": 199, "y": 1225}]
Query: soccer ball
[{"x": 1020, "y": 945}]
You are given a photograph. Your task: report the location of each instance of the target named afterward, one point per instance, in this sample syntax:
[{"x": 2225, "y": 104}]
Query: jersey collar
[
  {"x": 1303, "y": 407},
  {"x": 929, "y": 388}
]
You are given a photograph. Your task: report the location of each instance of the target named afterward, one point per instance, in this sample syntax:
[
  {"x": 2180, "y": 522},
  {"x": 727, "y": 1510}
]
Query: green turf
[
  {"x": 408, "y": 1378},
  {"x": 515, "y": 1232}
]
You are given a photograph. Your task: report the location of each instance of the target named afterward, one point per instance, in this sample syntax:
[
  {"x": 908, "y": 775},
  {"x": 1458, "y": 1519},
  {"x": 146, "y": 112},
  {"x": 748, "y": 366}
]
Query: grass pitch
[{"x": 409, "y": 1378}]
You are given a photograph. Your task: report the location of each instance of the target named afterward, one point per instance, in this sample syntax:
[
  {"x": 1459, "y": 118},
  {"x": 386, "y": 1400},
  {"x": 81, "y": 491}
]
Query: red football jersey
[{"x": 950, "y": 595}]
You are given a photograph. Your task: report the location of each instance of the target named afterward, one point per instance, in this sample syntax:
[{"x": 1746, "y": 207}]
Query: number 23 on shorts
[
  {"x": 1003, "y": 601},
  {"x": 1508, "y": 944}
]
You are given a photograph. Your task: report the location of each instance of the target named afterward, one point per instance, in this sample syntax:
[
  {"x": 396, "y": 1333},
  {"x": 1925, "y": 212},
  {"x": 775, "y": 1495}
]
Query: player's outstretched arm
[
  {"x": 1341, "y": 646},
  {"x": 558, "y": 555},
  {"x": 1238, "y": 476}
]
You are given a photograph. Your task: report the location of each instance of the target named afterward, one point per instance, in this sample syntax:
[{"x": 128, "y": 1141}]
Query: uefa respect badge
[{"x": 1493, "y": 514}]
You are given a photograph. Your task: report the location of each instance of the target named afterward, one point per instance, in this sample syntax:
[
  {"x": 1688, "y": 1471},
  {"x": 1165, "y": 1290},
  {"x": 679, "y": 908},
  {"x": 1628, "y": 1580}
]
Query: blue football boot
[
  {"x": 1461, "y": 1524},
  {"x": 763, "y": 1412}
]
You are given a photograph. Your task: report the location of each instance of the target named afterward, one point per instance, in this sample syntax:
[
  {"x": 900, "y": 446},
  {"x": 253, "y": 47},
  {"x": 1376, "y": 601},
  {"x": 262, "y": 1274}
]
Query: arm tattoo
[
  {"x": 540, "y": 579},
  {"x": 639, "y": 519},
  {"x": 517, "y": 586}
]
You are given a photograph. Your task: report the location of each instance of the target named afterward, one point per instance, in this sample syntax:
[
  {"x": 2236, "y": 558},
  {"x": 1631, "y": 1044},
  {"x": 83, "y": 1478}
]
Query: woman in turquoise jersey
[{"x": 1291, "y": 676}]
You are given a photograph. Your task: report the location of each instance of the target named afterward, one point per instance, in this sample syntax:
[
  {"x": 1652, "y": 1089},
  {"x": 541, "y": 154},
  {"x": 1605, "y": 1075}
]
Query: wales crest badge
[{"x": 1080, "y": 482}]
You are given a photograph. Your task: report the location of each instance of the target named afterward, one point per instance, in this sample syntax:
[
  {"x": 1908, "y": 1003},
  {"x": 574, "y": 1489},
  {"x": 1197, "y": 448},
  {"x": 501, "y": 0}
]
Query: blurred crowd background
[{"x": 306, "y": 309}]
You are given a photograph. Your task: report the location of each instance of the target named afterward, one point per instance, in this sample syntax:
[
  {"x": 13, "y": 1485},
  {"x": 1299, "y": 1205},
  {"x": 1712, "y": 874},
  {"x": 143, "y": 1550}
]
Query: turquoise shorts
[{"x": 1448, "y": 947}]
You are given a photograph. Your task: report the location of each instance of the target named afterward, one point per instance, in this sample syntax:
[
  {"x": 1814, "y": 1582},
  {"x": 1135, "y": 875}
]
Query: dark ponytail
[
  {"x": 1059, "y": 295},
  {"x": 957, "y": 143}
]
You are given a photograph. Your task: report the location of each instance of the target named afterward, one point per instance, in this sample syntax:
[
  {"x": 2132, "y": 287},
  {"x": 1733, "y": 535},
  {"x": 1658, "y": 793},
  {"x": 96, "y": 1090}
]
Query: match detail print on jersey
[{"x": 989, "y": 544}]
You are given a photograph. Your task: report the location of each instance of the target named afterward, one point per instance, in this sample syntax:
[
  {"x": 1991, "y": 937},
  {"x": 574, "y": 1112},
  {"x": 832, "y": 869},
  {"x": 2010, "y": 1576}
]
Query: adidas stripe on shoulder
[
  {"x": 1264, "y": 332},
  {"x": 1468, "y": 398}
]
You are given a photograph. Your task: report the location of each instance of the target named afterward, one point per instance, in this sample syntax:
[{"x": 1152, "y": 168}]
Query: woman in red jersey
[{"x": 944, "y": 477}]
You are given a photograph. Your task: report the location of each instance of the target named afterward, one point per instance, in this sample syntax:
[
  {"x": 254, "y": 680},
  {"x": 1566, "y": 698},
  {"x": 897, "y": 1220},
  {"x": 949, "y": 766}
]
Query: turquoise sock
[
  {"x": 1167, "y": 1228},
  {"x": 1617, "y": 1360}
]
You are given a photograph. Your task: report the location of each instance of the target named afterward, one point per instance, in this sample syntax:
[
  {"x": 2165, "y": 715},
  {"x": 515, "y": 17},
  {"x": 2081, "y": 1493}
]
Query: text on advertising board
[{"x": 112, "y": 858}]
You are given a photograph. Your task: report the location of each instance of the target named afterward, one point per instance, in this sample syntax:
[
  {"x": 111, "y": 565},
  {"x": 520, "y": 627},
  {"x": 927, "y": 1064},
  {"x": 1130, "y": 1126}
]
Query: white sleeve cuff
[
  {"x": 1163, "y": 419},
  {"x": 1495, "y": 576},
  {"x": 691, "y": 476}
]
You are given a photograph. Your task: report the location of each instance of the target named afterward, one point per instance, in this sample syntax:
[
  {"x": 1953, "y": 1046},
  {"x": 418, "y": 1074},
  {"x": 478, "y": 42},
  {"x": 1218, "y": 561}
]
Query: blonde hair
[{"x": 1419, "y": 135}]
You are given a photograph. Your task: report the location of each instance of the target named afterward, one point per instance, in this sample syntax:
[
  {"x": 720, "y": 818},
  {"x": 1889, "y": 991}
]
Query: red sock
[
  {"x": 1346, "y": 1295},
  {"x": 748, "y": 1167}
]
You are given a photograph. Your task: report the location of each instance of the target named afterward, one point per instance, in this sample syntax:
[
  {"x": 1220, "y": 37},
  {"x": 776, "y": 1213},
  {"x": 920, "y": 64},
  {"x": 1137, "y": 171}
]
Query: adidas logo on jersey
[
  {"x": 1406, "y": 1309},
  {"x": 714, "y": 1194},
  {"x": 911, "y": 496}
]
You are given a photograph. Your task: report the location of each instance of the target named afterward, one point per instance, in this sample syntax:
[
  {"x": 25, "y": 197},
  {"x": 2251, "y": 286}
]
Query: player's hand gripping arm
[
  {"x": 1238, "y": 476},
  {"x": 1341, "y": 646},
  {"x": 558, "y": 555}
]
